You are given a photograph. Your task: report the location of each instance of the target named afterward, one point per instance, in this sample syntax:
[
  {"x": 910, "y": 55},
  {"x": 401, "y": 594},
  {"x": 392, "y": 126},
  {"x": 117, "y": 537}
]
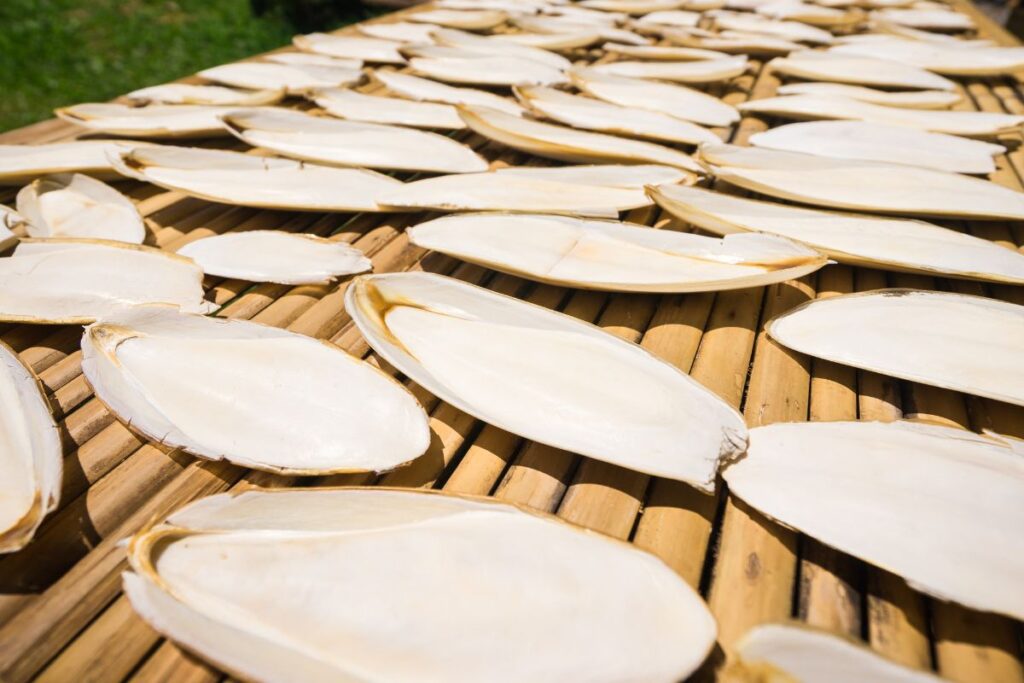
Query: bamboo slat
[{"x": 62, "y": 616}]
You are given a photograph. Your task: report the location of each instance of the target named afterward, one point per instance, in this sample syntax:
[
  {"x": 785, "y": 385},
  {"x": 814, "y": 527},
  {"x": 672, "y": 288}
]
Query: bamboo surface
[{"x": 63, "y": 618}]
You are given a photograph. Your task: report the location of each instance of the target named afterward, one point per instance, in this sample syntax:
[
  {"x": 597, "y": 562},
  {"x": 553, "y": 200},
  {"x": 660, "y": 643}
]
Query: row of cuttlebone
[{"x": 446, "y": 335}]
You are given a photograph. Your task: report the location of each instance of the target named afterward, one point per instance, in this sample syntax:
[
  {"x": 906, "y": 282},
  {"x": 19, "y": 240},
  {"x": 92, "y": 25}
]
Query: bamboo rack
[{"x": 62, "y": 615}]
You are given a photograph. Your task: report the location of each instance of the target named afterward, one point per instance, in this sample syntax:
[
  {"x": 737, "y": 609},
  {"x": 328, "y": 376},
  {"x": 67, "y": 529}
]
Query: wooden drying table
[{"x": 63, "y": 618}]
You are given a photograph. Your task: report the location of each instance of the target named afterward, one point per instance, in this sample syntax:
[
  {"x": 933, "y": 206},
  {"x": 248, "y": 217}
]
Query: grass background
[{"x": 59, "y": 52}]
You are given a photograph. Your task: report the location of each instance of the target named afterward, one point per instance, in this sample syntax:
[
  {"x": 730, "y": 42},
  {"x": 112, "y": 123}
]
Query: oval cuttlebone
[
  {"x": 356, "y": 106},
  {"x": 631, "y": 7},
  {"x": 551, "y": 601},
  {"x": 936, "y": 505},
  {"x": 398, "y": 31},
  {"x": 479, "y": 68},
  {"x": 663, "y": 52},
  {"x": 568, "y": 144},
  {"x": 675, "y": 100},
  {"x": 253, "y": 395},
  {"x": 856, "y": 70},
  {"x": 73, "y": 282},
  {"x": 942, "y": 20},
  {"x": 954, "y": 341},
  {"x": 862, "y": 185},
  {"x": 470, "y": 20},
  {"x": 276, "y": 256},
  {"x": 20, "y": 164},
  {"x": 676, "y": 18},
  {"x": 75, "y": 205},
  {"x": 701, "y": 71},
  {"x": 561, "y": 25},
  {"x": 733, "y": 42},
  {"x": 508, "y": 192},
  {"x": 352, "y": 143},
  {"x": 451, "y": 38},
  {"x": 295, "y": 79},
  {"x": 613, "y": 256},
  {"x": 586, "y": 113},
  {"x": 981, "y": 61},
  {"x": 610, "y": 175},
  {"x": 154, "y": 121},
  {"x": 552, "y": 41},
  {"x": 880, "y": 142},
  {"x": 969, "y": 123},
  {"x": 8, "y": 218},
  {"x": 794, "y": 31},
  {"x": 910, "y": 99},
  {"x": 31, "y": 456},
  {"x": 425, "y": 90},
  {"x": 577, "y": 387},
  {"x": 813, "y": 15},
  {"x": 798, "y": 652},
  {"x": 187, "y": 93},
  {"x": 304, "y": 59},
  {"x": 860, "y": 240},
  {"x": 249, "y": 180},
  {"x": 372, "y": 50}
]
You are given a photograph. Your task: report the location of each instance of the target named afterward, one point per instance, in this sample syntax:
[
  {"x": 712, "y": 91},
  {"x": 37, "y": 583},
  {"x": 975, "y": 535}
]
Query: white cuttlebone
[
  {"x": 636, "y": 176},
  {"x": 576, "y": 386},
  {"x": 663, "y": 52},
  {"x": 969, "y": 123},
  {"x": 702, "y": 5},
  {"x": 678, "y": 18},
  {"x": 490, "y": 582},
  {"x": 800, "y": 652},
  {"x": 856, "y": 70},
  {"x": 814, "y": 15},
  {"x": 506, "y": 191},
  {"x": 943, "y": 20},
  {"x": 568, "y": 144},
  {"x": 674, "y": 100},
  {"x": 399, "y": 31},
  {"x": 254, "y": 395},
  {"x": 425, "y": 90},
  {"x": 862, "y": 185},
  {"x": 276, "y": 256},
  {"x": 511, "y": 7},
  {"x": 352, "y": 143},
  {"x": 576, "y": 12},
  {"x": 355, "y": 106},
  {"x": 587, "y": 113},
  {"x": 632, "y": 6},
  {"x": 60, "y": 281},
  {"x": 471, "y": 41},
  {"x": 154, "y": 121},
  {"x": 787, "y": 30},
  {"x": 981, "y": 61},
  {"x": 910, "y": 99},
  {"x": 856, "y": 239},
  {"x": 613, "y": 256},
  {"x": 936, "y": 505},
  {"x": 701, "y": 71},
  {"x": 312, "y": 59},
  {"x": 186, "y": 93},
  {"x": 882, "y": 26},
  {"x": 732, "y": 42},
  {"x": 552, "y": 41},
  {"x": 31, "y": 456},
  {"x": 20, "y": 164},
  {"x": 557, "y": 25},
  {"x": 880, "y": 142},
  {"x": 295, "y": 79},
  {"x": 483, "y": 69},
  {"x": 249, "y": 180},
  {"x": 471, "y": 20},
  {"x": 372, "y": 50},
  {"x": 75, "y": 205}
]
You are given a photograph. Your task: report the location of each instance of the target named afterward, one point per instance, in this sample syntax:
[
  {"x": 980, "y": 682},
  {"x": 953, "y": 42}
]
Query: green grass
[{"x": 59, "y": 52}]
